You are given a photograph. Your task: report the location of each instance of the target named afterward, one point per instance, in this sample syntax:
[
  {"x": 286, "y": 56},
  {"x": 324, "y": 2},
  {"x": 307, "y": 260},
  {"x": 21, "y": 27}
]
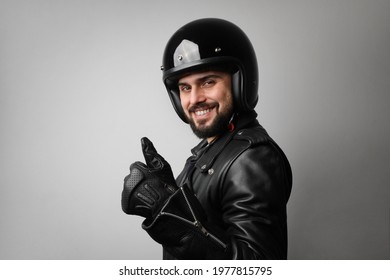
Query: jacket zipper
[{"x": 198, "y": 225}]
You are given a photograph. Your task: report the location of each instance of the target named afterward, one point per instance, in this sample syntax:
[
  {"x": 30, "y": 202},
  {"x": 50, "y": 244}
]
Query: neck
[{"x": 211, "y": 139}]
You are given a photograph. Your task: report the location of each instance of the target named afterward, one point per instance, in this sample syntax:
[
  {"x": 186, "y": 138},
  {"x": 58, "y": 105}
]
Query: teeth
[{"x": 202, "y": 112}]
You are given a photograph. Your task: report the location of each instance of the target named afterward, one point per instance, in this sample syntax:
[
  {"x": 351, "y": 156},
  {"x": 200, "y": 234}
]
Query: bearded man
[{"x": 229, "y": 202}]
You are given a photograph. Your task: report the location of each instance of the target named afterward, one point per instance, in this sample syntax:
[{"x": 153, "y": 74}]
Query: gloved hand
[
  {"x": 174, "y": 216},
  {"x": 147, "y": 187}
]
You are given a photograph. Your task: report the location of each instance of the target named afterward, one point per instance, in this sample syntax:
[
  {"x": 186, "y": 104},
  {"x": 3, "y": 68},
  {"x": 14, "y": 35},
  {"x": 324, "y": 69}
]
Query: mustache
[{"x": 202, "y": 106}]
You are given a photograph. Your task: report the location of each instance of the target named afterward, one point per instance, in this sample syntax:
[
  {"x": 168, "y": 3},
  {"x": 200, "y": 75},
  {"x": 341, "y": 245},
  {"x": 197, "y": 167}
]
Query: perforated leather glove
[
  {"x": 174, "y": 216},
  {"x": 147, "y": 187}
]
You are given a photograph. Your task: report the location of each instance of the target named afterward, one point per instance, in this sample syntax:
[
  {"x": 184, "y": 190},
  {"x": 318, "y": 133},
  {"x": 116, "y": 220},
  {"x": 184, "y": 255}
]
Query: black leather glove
[
  {"x": 147, "y": 187},
  {"x": 174, "y": 216}
]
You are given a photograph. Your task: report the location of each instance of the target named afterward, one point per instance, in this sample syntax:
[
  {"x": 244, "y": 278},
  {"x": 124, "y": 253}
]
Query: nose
[{"x": 197, "y": 96}]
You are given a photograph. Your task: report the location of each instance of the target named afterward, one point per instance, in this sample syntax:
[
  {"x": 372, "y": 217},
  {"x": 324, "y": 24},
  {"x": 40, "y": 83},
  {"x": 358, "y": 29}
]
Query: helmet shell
[{"x": 212, "y": 43}]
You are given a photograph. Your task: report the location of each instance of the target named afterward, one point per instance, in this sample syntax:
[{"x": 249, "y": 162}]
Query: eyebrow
[{"x": 201, "y": 79}]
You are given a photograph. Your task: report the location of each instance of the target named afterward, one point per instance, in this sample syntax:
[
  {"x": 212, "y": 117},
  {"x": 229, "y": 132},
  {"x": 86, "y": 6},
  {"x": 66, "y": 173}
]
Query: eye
[
  {"x": 184, "y": 88},
  {"x": 208, "y": 83}
]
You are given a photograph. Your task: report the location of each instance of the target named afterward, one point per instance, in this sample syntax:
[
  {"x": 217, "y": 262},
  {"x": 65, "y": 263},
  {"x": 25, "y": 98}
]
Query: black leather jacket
[{"x": 243, "y": 182}]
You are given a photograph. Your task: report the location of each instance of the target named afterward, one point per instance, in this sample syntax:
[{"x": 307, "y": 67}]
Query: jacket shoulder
[{"x": 254, "y": 135}]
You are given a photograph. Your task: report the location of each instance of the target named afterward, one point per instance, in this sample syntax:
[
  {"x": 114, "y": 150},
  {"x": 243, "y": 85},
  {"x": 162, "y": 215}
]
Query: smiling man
[
  {"x": 207, "y": 101},
  {"x": 229, "y": 202}
]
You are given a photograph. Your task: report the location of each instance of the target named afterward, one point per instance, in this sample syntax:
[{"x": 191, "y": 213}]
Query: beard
[{"x": 219, "y": 125}]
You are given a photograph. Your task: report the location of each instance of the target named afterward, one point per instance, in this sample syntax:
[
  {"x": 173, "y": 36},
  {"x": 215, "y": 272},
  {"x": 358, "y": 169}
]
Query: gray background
[{"x": 80, "y": 84}]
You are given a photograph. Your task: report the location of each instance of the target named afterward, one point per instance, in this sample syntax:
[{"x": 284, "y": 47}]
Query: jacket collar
[{"x": 207, "y": 154}]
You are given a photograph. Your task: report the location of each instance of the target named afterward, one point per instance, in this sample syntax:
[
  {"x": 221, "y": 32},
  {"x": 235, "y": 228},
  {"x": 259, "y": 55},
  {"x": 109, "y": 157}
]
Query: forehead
[{"x": 198, "y": 76}]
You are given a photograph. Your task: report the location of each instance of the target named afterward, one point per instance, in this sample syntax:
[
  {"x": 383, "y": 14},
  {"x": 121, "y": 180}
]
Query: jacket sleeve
[{"x": 255, "y": 193}]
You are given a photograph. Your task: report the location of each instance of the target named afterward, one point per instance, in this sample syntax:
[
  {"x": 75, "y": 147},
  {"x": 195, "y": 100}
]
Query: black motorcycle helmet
[{"x": 207, "y": 44}]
